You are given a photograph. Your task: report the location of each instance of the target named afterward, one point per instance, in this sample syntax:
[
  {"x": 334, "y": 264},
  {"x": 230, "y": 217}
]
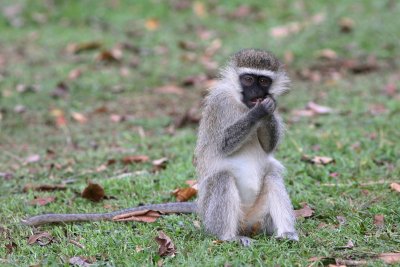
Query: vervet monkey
[{"x": 241, "y": 189}]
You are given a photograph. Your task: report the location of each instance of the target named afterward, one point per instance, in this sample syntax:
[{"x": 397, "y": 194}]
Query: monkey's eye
[
  {"x": 247, "y": 80},
  {"x": 264, "y": 81}
]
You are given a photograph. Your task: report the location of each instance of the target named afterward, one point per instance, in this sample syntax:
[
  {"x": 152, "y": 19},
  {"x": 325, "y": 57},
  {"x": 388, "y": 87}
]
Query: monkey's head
[{"x": 256, "y": 74}]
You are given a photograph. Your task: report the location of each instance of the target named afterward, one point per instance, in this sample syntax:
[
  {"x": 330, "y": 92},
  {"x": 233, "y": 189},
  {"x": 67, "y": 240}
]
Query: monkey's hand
[{"x": 264, "y": 108}]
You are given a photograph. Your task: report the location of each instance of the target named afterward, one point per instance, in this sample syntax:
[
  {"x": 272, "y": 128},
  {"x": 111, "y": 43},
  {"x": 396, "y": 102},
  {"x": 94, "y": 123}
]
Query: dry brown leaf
[
  {"x": 390, "y": 258},
  {"x": 317, "y": 159},
  {"x": 166, "y": 247},
  {"x": 377, "y": 109},
  {"x": 193, "y": 184},
  {"x": 135, "y": 159},
  {"x": 302, "y": 113},
  {"x": 78, "y": 48},
  {"x": 152, "y": 24},
  {"x": 61, "y": 90},
  {"x": 6, "y": 175},
  {"x": 117, "y": 118},
  {"x": 32, "y": 159},
  {"x": 41, "y": 201},
  {"x": 44, "y": 187},
  {"x": 159, "y": 164},
  {"x": 93, "y": 192},
  {"x": 10, "y": 247},
  {"x": 74, "y": 74},
  {"x": 108, "y": 56},
  {"x": 395, "y": 187},
  {"x": 341, "y": 219},
  {"x": 184, "y": 194},
  {"x": 199, "y": 9},
  {"x": 304, "y": 212},
  {"x": 170, "y": 89},
  {"x": 349, "y": 245},
  {"x": 59, "y": 117},
  {"x": 80, "y": 261},
  {"x": 379, "y": 220},
  {"x": 318, "y": 109},
  {"x": 295, "y": 27},
  {"x": 42, "y": 239},
  {"x": 148, "y": 216},
  {"x": 79, "y": 117},
  {"x": 327, "y": 53},
  {"x": 346, "y": 25}
]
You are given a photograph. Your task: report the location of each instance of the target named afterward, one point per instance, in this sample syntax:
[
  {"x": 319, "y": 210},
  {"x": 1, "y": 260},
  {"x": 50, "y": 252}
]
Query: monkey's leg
[
  {"x": 280, "y": 217},
  {"x": 219, "y": 205}
]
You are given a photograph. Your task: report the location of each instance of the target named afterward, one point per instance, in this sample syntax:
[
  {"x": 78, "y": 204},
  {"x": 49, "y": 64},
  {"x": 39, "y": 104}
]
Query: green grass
[{"x": 34, "y": 54}]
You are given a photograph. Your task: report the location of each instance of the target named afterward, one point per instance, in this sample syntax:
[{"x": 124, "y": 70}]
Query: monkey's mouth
[{"x": 257, "y": 99}]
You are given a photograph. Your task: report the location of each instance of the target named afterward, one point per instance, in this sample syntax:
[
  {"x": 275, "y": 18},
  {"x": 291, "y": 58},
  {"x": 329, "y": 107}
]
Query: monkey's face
[{"x": 255, "y": 88}]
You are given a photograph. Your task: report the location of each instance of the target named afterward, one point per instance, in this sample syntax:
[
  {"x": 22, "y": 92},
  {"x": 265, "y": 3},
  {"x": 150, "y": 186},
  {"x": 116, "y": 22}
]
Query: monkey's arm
[
  {"x": 236, "y": 134},
  {"x": 270, "y": 133},
  {"x": 173, "y": 207}
]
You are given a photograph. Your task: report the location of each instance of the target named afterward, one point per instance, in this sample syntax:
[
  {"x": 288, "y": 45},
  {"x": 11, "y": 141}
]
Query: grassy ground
[{"x": 361, "y": 135}]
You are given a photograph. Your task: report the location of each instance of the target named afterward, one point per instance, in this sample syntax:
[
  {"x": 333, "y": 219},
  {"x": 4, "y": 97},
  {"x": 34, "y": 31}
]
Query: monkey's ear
[{"x": 281, "y": 84}]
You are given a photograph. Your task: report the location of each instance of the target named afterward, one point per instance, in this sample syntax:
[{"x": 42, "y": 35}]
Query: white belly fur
[{"x": 248, "y": 166}]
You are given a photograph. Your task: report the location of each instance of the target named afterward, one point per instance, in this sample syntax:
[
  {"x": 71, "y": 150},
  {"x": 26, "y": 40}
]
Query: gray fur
[
  {"x": 256, "y": 59},
  {"x": 230, "y": 131}
]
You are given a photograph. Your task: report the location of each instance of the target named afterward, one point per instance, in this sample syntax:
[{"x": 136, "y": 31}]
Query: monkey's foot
[
  {"x": 245, "y": 241},
  {"x": 293, "y": 236}
]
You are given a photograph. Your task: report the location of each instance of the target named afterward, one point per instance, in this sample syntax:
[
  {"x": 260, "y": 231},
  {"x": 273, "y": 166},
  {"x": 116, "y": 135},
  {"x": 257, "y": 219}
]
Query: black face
[{"x": 255, "y": 88}]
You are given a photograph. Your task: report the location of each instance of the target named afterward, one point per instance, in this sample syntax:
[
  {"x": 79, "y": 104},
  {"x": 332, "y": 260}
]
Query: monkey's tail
[{"x": 172, "y": 207}]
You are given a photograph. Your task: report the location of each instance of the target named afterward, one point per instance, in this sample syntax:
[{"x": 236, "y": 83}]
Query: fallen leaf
[
  {"x": 377, "y": 109},
  {"x": 191, "y": 116},
  {"x": 166, "y": 247},
  {"x": 379, "y": 220},
  {"x": 59, "y": 116},
  {"x": 199, "y": 9},
  {"x": 184, "y": 194},
  {"x": 160, "y": 164},
  {"x": 32, "y": 159},
  {"x": 170, "y": 89},
  {"x": 42, "y": 239},
  {"x": 152, "y": 24},
  {"x": 148, "y": 216},
  {"x": 10, "y": 247},
  {"x": 44, "y": 187},
  {"x": 304, "y": 212},
  {"x": 74, "y": 74},
  {"x": 395, "y": 187},
  {"x": 80, "y": 261},
  {"x": 19, "y": 109},
  {"x": 61, "y": 90},
  {"x": 302, "y": 113},
  {"x": 78, "y": 48},
  {"x": 295, "y": 27},
  {"x": 6, "y": 175},
  {"x": 318, "y": 109},
  {"x": 41, "y": 201},
  {"x": 327, "y": 53},
  {"x": 117, "y": 118},
  {"x": 108, "y": 56},
  {"x": 349, "y": 245},
  {"x": 390, "y": 258},
  {"x": 341, "y": 219},
  {"x": 346, "y": 25},
  {"x": 93, "y": 192},
  {"x": 79, "y": 117},
  {"x": 317, "y": 159},
  {"x": 135, "y": 159},
  {"x": 193, "y": 184}
]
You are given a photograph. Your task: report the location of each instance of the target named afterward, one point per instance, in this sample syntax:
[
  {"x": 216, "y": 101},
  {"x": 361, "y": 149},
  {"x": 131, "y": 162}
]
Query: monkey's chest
[{"x": 248, "y": 167}]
